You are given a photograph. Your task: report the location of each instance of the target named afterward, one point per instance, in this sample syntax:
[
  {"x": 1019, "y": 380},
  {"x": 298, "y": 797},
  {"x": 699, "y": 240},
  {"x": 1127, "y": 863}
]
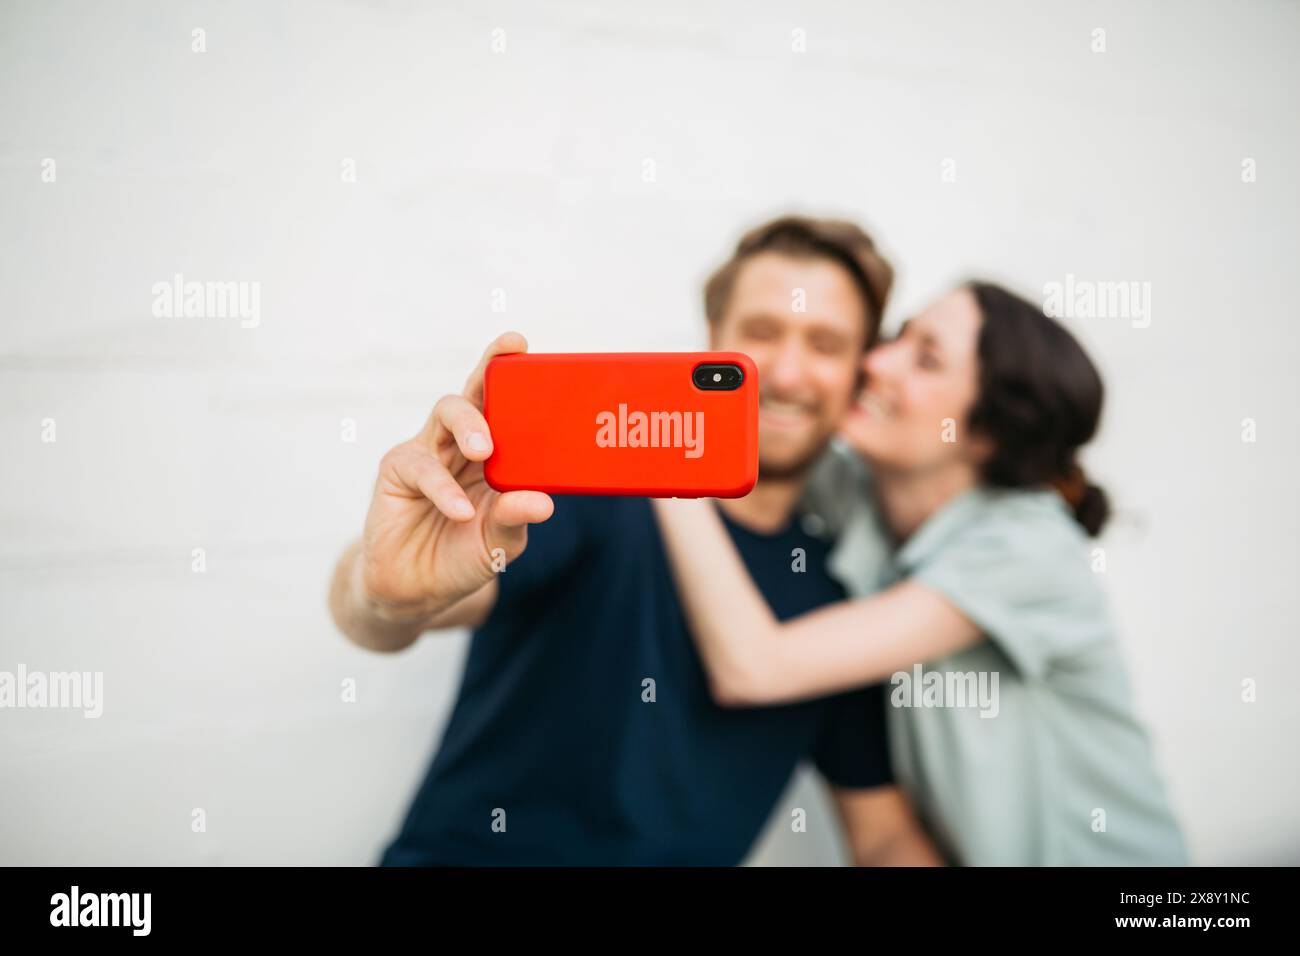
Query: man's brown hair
[{"x": 803, "y": 237}]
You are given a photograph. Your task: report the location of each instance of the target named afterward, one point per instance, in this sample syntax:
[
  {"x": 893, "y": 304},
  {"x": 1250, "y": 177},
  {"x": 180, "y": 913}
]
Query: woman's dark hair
[{"x": 1039, "y": 401}]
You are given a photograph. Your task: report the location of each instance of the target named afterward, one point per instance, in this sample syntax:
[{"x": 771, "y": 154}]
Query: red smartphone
[{"x": 654, "y": 424}]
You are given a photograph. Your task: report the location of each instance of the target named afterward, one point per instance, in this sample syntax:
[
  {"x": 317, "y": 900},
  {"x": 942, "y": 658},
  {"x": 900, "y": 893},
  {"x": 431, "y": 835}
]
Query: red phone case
[{"x": 620, "y": 424}]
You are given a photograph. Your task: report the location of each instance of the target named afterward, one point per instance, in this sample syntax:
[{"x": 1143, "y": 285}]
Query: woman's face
[{"x": 919, "y": 387}]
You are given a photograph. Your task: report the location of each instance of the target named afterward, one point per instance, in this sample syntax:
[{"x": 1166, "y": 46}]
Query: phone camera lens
[{"x": 717, "y": 378}]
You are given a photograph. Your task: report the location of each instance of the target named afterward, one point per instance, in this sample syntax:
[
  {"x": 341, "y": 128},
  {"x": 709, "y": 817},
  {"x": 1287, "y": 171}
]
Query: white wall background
[{"x": 522, "y": 171}]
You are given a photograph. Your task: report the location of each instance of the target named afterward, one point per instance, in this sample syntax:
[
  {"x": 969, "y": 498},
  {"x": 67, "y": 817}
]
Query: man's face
[{"x": 808, "y": 361}]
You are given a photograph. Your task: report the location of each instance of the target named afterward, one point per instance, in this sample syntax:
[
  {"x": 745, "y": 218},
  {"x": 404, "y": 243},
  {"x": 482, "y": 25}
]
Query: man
[{"x": 584, "y": 731}]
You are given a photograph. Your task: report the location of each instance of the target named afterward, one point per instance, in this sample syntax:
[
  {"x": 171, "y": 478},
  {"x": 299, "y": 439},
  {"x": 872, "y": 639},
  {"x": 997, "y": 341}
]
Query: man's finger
[
  {"x": 504, "y": 344},
  {"x": 417, "y": 472},
  {"x": 455, "y": 419},
  {"x": 508, "y": 518},
  {"x": 513, "y": 509}
]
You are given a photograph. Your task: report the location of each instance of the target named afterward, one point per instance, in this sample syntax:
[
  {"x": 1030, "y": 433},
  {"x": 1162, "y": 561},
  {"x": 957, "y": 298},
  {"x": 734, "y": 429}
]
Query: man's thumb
[{"x": 508, "y": 518}]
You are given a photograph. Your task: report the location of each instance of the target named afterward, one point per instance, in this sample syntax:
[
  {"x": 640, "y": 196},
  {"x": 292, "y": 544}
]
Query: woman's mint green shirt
[{"x": 1024, "y": 749}]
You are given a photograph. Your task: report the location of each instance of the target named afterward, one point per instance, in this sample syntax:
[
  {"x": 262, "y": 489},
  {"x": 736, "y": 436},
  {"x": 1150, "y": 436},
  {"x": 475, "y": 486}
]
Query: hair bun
[
  {"x": 1092, "y": 509},
  {"x": 1088, "y": 501},
  {"x": 1071, "y": 485}
]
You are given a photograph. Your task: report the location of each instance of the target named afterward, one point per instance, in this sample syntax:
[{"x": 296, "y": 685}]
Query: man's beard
[{"x": 790, "y": 471}]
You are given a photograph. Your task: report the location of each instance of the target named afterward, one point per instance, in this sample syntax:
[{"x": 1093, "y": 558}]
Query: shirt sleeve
[
  {"x": 852, "y": 749},
  {"x": 1022, "y": 576}
]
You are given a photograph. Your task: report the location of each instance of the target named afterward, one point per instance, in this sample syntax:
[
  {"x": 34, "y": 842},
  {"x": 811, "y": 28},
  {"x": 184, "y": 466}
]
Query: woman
[{"x": 1015, "y": 736}]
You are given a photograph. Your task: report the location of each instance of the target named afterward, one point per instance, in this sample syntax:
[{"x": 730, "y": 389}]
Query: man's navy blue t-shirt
[{"x": 559, "y": 738}]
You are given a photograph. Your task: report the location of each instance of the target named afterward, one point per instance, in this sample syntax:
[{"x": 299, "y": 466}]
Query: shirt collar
[{"x": 937, "y": 529}]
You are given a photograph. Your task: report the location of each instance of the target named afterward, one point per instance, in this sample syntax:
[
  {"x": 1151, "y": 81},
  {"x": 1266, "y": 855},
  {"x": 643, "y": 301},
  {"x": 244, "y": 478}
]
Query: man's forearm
[
  {"x": 881, "y": 828},
  {"x": 378, "y": 626},
  {"x": 368, "y": 623},
  {"x": 906, "y": 846}
]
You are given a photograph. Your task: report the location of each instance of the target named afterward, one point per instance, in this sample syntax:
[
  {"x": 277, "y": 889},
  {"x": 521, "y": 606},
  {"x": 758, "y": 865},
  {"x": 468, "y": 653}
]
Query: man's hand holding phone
[
  {"x": 436, "y": 534},
  {"x": 450, "y": 509}
]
